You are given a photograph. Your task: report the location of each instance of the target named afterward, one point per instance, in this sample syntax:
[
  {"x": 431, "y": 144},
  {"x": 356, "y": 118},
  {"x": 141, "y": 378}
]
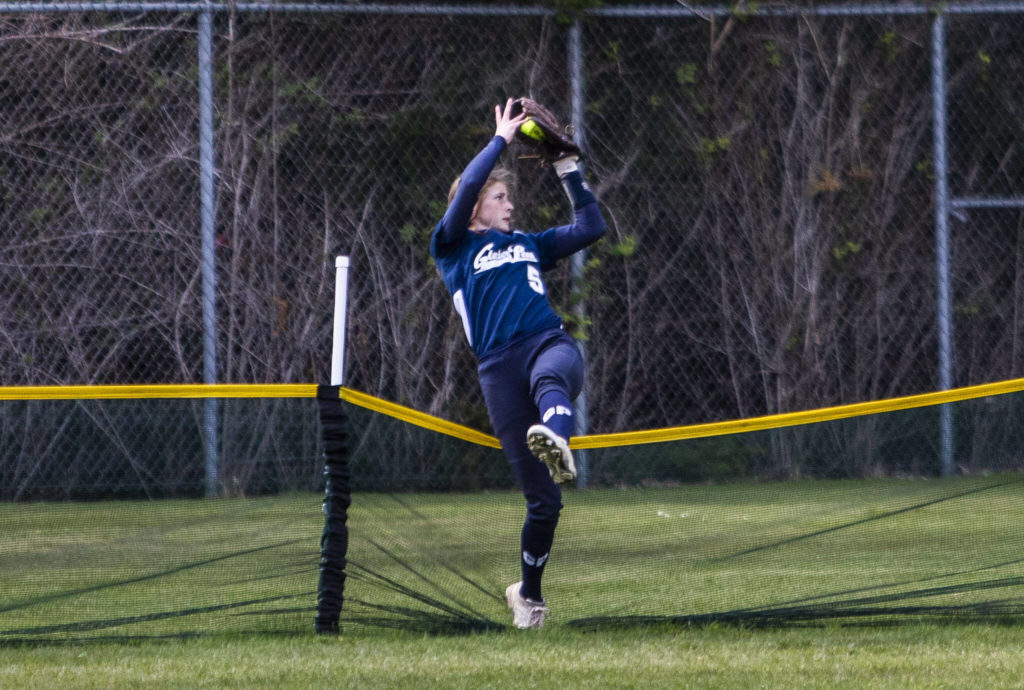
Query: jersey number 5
[{"x": 533, "y": 278}]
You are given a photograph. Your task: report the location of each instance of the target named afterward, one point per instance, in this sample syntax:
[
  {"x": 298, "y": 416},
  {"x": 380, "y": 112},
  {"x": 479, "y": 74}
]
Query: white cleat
[
  {"x": 553, "y": 451},
  {"x": 526, "y": 613}
]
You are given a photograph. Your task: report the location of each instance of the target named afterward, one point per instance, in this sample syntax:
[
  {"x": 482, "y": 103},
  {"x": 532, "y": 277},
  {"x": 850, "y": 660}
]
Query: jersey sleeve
[
  {"x": 455, "y": 224},
  {"x": 557, "y": 243}
]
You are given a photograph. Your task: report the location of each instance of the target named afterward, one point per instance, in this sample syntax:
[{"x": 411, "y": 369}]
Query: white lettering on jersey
[{"x": 487, "y": 258}]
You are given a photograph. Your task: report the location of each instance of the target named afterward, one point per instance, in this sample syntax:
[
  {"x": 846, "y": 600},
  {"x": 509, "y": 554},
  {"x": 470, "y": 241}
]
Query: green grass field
[{"x": 881, "y": 583}]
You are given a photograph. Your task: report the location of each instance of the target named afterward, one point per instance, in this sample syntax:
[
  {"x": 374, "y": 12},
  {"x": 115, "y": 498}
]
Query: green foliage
[
  {"x": 624, "y": 248},
  {"x": 286, "y": 133},
  {"x": 575, "y": 324},
  {"x": 410, "y": 233},
  {"x": 686, "y": 77},
  {"x": 709, "y": 149},
  {"x": 744, "y": 11},
  {"x": 308, "y": 90},
  {"x": 686, "y": 74},
  {"x": 984, "y": 81},
  {"x": 846, "y": 250},
  {"x": 890, "y": 44},
  {"x": 591, "y": 288},
  {"x": 549, "y": 214},
  {"x": 612, "y": 50}
]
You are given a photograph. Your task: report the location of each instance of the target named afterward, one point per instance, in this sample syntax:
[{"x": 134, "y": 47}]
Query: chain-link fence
[
  {"x": 150, "y": 448},
  {"x": 769, "y": 177}
]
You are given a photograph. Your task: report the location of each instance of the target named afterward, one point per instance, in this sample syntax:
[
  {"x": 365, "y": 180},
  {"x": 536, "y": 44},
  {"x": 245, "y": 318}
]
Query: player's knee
[
  {"x": 549, "y": 382},
  {"x": 566, "y": 378},
  {"x": 546, "y": 516},
  {"x": 543, "y": 508},
  {"x": 556, "y": 382}
]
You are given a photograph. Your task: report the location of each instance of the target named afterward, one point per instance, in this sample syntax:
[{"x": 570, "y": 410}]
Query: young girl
[{"x": 530, "y": 369}]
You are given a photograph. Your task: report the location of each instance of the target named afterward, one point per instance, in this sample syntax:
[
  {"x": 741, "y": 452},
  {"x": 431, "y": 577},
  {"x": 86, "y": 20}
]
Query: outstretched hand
[{"x": 505, "y": 126}]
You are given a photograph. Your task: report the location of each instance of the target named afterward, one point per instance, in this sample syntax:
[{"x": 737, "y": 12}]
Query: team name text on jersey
[{"x": 487, "y": 258}]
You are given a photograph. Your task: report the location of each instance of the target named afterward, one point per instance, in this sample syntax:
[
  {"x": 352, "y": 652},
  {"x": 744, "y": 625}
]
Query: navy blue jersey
[{"x": 494, "y": 277}]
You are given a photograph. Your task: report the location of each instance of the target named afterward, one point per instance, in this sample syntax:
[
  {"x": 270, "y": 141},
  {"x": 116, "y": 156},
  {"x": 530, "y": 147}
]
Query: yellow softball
[{"x": 532, "y": 130}]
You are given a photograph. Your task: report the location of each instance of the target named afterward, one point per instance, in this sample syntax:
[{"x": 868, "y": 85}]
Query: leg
[
  {"x": 556, "y": 377},
  {"x": 543, "y": 506},
  {"x": 511, "y": 409}
]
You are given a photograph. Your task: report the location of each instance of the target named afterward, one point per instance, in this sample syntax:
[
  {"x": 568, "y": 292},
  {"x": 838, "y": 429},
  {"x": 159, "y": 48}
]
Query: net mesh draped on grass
[{"x": 840, "y": 520}]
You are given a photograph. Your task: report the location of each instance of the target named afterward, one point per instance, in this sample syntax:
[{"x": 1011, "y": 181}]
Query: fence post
[
  {"x": 208, "y": 259},
  {"x": 579, "y": 259},
  {"x": 944, "y": 318}
]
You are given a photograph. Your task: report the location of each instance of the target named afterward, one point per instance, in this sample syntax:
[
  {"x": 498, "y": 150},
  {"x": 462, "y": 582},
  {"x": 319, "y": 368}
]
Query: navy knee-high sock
[
  {"x": 556, "y": 413},
  {"x": 536, "y": 546}
]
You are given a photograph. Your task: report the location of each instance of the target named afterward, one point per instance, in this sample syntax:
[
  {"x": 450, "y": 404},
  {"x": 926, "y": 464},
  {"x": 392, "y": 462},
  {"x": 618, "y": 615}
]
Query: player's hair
[{"x": 499, "y": 174}]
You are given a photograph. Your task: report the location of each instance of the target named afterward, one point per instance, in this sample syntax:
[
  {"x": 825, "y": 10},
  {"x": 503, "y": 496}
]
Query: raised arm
[{"x": 455, "y": 223}]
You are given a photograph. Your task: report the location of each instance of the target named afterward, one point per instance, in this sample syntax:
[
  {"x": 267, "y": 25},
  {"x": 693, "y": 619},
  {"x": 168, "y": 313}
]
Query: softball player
[{"x": 530, "y": 369}]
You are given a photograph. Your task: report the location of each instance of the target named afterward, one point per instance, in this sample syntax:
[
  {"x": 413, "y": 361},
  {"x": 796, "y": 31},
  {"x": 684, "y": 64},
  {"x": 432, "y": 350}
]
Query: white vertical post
[{"x": 340, "y": 310}]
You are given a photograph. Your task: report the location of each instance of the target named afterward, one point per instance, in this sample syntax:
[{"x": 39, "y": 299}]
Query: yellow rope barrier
[{"x": 421, "y": 419}]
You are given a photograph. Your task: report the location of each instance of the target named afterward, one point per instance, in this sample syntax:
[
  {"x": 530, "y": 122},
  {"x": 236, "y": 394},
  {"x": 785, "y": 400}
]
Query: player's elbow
[{"x": 593, "y": 221}]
